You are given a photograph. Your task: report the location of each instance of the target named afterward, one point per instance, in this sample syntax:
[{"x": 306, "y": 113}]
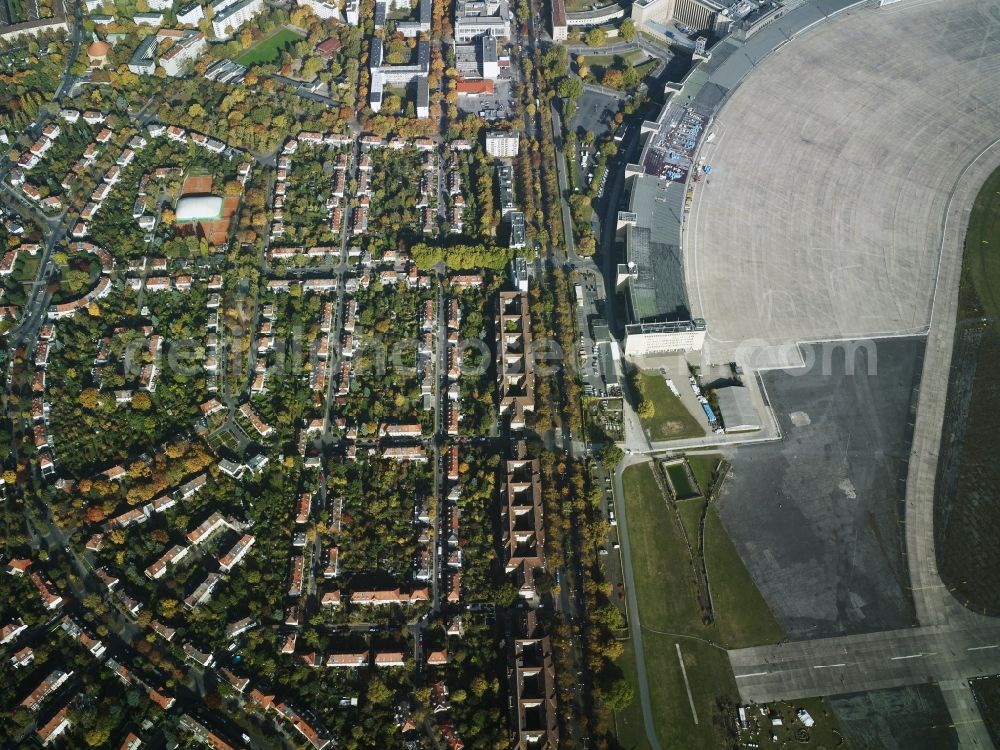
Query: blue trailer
[{"x": 709, "y": 413}]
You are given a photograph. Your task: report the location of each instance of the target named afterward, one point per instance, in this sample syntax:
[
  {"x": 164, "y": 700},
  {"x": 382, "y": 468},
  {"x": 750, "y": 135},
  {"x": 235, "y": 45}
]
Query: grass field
[
  {"x": 267, "y": 50},
  {"x": 16, "y": 285},
  {"x": 670, "y": 420},
  {"x": 980, "y": 289},
  {"x": 646, "y": 68},
  {"x": 743, "y": 617},
  {"x": 635, "y": 57},
  {"x": 670, "y": 614},
  {"x": 703, "y": 466},
  {"x": 968, "y": 498},
  {"x": 987, "y": 693},
  {"x": 629, "y": 730},
  {"x": 690, "y": 513}
]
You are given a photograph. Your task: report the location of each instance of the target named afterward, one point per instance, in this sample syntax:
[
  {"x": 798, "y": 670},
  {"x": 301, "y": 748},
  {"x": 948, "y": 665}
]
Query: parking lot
[
  {"x": 595, "y": 112},
  {"x": 496, "y": 106}
]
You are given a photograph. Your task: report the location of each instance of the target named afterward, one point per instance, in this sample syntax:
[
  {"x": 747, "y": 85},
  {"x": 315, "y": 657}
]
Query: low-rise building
[{"x": 173, "y": 555}]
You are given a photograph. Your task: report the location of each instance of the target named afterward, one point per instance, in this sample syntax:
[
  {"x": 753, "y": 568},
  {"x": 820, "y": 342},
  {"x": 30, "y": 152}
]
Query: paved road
[
  {"x": 604, "y": 90},
  {"x": 622, "y": 48}
]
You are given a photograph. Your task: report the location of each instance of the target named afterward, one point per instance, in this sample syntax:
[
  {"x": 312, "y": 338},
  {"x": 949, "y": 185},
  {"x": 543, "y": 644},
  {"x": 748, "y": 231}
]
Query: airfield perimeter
[{"x": 844, "y": 169}]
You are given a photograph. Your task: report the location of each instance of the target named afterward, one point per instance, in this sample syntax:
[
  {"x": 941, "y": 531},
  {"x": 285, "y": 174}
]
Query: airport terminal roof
[
  {"x": 199, "y": 208},
  {"x": 708, "y": 84},
  {"x": 654, "y": 247}
]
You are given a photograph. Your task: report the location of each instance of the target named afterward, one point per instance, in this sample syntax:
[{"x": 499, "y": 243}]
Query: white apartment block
[
  {"x": 190, "y": 15},
  {"x": 234, "y": 16},
  {"x": 177, "y": 60},
  {"x": 502, "y": 145}
]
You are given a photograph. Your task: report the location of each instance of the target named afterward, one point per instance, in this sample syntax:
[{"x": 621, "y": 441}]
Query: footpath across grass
[
  {"x": 670, "y": 614},
  {"x": 671, "y": 420},
  {"x": 269, "y": 49}
]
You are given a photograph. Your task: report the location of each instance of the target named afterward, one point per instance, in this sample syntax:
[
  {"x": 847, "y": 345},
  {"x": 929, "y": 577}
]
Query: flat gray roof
[
  {"x": 598, "y": 13},
  {"x": 653, "y": 245},
  {"x": 608, "y": 371},
  {"x": 738, "y": 412},
  {"x": 490, "y": 49}
]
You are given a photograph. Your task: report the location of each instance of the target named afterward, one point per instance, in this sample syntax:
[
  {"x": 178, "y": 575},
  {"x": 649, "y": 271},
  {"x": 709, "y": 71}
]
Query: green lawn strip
[
  {"x": 742, "y": 616},
  {"x": 709, "y": 676},
  {"x": 670, "y": 615},
  {"x": 690, "y": 513},
  {"x": 268, "y": 50},
  {"x": 667, "y": 604},
  {"x": 646, "y": 68},
  {"x": 659, "y": 561},
  {"x": 969, "y": 477},
  {"x": 591, "y": 60},
  {"x": 981, "y": 261},
  {"x": 671, "y": 420},
  {"x": 987, "y": 693},
  {"x": 629, "y": 728},
  {"x": 703, "y": 466}
]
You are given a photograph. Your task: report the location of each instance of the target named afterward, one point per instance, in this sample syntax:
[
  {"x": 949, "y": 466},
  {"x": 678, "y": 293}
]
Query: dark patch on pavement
[
  {"x": 818, "y": 517},
  {"x": 908, "y": 718}
]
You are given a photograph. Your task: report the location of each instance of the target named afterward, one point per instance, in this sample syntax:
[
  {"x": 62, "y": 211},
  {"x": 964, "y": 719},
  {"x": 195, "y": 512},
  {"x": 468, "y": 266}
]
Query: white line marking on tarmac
[
  {"x": 911, "y": 656},
  {"x": 980, "y": 648},
  {"x": 828, "y": 666},
  {"x": 751, "y": 674}
]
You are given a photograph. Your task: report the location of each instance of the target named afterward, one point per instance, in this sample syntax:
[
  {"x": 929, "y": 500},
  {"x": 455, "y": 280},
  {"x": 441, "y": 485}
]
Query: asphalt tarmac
[{"x": 817, "y": 517}]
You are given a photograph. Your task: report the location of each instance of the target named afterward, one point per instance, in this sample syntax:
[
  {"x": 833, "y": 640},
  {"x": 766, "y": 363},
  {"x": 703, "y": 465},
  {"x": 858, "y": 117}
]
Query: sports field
[
  {"x": 267, "y": 50},
  {"x": 217, "y": 231}
]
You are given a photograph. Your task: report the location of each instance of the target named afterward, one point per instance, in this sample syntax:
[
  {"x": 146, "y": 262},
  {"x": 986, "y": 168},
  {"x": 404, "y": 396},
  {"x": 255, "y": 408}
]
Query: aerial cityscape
[{"x": 460, "y": 374}]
